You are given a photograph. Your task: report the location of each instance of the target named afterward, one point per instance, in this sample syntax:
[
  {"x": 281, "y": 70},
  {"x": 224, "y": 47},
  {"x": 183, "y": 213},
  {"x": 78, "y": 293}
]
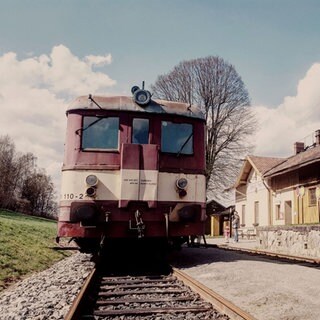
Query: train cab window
[
  {"x": 140, "y": 131},
  {"x": 100, "y": 133},
  {"x": 176, "y": 137}
]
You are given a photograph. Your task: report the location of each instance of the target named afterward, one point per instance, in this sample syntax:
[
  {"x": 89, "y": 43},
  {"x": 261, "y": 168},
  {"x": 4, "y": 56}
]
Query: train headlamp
[
  {"x": 182, "y": 183},
  {"x": 92, "y": 180},
  {"x": 91, "y": 192}
]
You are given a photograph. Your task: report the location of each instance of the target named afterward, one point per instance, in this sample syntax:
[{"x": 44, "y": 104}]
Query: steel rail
[
  {"x": 74, "y": 311},
  {"x": 221, "y": 304}
]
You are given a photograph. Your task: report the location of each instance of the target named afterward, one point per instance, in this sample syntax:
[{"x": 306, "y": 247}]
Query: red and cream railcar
[{"x": 133, "y": 167}]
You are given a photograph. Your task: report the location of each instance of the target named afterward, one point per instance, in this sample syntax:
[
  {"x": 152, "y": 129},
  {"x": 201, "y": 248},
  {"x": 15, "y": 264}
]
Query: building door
[
  {"x": 287, "y": 212},
  {"x": 256, "y": 212},
  {"x": 243, "y": 215}
]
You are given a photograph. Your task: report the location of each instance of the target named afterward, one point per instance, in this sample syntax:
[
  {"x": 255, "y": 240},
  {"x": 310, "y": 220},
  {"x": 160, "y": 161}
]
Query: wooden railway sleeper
[
  {"x": 144, "y": 300},
  {"x": 137, "y": 286},
  {"x": 106, "y": 281},
  {"x": 140, "y": 292},
  {"x": 149, "y": 311}
]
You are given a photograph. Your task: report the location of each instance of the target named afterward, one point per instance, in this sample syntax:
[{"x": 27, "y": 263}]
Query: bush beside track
[{"x": 25, "y": 243}]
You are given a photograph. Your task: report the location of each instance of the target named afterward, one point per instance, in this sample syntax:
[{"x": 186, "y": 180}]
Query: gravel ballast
[
  {"x": 47, "y": 294},
  {"x": 268, "y": 289}
]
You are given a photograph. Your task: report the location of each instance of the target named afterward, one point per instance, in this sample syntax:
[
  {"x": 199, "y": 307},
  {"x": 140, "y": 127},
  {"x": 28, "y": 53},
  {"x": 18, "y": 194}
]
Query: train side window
[
  {"x": 140, "y": 131},
  {"x": 100, "y": 133},
  {"x": 176, "y": 137}
]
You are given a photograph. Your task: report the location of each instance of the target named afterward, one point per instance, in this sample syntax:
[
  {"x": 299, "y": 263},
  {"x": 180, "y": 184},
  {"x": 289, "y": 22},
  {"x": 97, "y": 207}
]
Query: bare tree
[
  {"x": 8, "y": 172},
  {"x": 216, "y": 87},
  {"x": 38, "y": 189},
  {"x": 23, "y": 186}
]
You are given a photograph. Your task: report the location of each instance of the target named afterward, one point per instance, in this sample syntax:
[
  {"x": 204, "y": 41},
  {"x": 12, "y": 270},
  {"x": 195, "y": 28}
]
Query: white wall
[{"x": 256, "y": 192}]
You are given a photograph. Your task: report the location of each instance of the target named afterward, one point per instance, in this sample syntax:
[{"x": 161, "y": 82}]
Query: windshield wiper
[
  {"x": 89, "y": 125},
  {"x": 184, "y": 144},
  {"x": 95, "y": 102},
  {"x": 94, "y": 122}
]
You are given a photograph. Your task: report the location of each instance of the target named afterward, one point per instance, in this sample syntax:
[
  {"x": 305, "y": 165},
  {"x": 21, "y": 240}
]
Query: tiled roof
[
  {"x": 268, "y": 166},
  {"x": 263, "y": 164},
  {"x": 260, "y": 164},
  {"x": 299, "y": 160}
]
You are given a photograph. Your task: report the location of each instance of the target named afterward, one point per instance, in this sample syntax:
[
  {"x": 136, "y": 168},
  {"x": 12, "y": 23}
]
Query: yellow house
[
  {"x": 280, "y": 191},
  {"x": 296, "y": 186},
  {"x": 218, "y": 218}
]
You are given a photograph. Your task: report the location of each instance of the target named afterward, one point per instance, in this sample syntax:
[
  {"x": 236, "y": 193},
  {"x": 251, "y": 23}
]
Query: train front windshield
[
  {"x": 100, "y": 133},
  {"x": 176, "y": 138},
  {"x": 140, "y": 131}
]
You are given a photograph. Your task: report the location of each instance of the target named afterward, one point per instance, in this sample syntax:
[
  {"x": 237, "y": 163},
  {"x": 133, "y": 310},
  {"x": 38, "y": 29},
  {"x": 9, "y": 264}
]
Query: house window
[
  {"x": 256, "y": 212},
  {"x": 312, "y": 197},
  {"x": 278, "y": 212},
  {"x": 243, "y": 214}
]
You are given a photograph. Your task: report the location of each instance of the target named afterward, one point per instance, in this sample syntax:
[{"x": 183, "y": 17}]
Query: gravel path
[
  {"x": 267, "y": 289},
  {"x": 47, "y": 294}
]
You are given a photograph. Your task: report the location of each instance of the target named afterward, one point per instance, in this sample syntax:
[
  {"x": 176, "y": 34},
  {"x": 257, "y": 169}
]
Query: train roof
[{"x": 125, "y": 103}]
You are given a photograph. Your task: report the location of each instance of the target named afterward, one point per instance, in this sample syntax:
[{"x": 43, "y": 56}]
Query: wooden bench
[
  {"x": 247, "y": 233},
  {"x": 251, "y": 234}
]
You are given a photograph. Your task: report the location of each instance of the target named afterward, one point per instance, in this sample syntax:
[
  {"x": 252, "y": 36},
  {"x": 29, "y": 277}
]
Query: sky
[{"x": 53, "y": 51}]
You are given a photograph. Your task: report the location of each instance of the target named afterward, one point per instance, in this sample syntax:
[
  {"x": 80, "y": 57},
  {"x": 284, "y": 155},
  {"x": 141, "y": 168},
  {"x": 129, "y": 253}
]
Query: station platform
[{"x": 242, "y": 243}]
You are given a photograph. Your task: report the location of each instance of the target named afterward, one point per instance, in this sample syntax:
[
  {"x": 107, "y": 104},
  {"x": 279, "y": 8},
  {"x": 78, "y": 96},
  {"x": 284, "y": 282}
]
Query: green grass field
[{"x": 25, "y": 243}]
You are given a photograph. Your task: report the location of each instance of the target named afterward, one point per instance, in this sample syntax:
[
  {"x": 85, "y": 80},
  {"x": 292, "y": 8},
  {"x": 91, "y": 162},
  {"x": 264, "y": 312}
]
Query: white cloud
[
  {"x": 69, "y": 74},
  {"x": 99, "y": 61},
  {"x": 34, "y": 94},
  {"x": 294, "y": 120}
]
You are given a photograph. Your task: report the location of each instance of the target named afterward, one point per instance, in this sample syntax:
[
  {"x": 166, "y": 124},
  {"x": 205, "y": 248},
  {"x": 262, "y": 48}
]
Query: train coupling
[{"x": 140, "y": 226}]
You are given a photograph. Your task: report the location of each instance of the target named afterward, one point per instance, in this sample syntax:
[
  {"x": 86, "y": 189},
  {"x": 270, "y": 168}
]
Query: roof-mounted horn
[{"x": 141, "y": 96}]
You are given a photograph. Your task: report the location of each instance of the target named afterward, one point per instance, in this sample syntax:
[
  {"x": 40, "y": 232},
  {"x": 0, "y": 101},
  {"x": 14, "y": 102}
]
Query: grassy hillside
[{"x": 25, "y": 243}]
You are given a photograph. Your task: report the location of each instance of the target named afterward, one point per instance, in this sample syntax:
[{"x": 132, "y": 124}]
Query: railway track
[{"x": 171, "y": 296}]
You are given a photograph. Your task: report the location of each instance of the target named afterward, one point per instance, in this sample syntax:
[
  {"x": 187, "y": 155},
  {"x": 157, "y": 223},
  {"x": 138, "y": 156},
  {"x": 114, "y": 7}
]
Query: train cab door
[{"x": 139, "y": 166}]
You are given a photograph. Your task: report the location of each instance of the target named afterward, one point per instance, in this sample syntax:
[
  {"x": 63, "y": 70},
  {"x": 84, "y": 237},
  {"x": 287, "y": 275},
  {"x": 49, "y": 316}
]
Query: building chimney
[
  {"x": 317, "y": 134},
  {"x": 298, "y": 147}
]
